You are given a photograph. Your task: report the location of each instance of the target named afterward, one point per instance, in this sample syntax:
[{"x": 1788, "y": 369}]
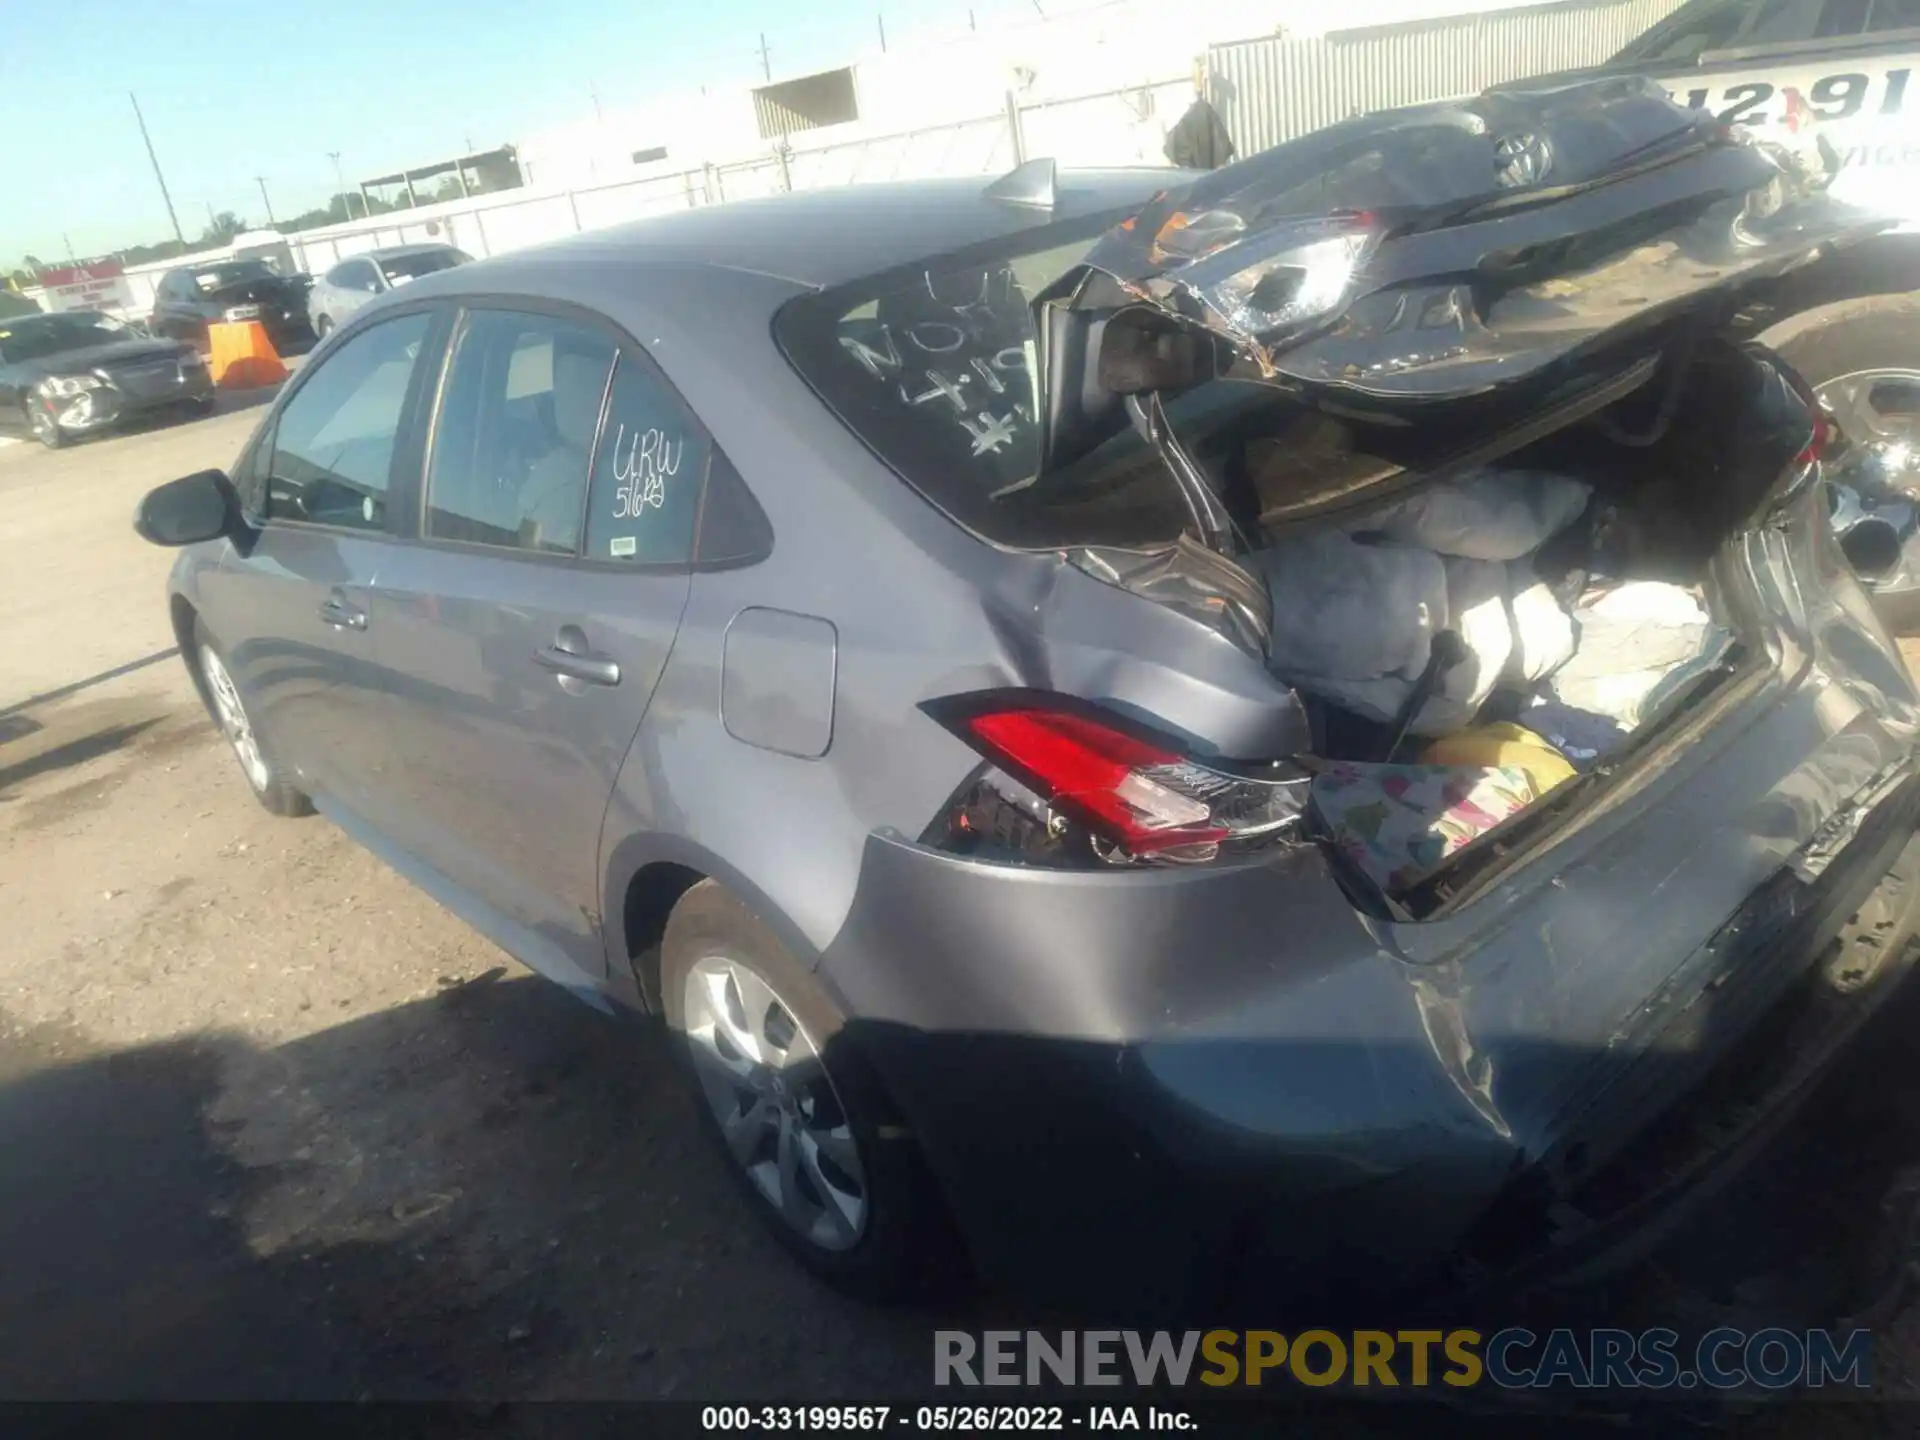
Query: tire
[
  {"x": 321, "y": 327},
  {"x": 1863, "y": 357},
  {"x": 198, "y": 409},
  {"x": 230, "y": 714},
  {"x": 1884, "y": 335},
  {"x": 44, "y": 427},
  {"x": 902, "y": 1245}
]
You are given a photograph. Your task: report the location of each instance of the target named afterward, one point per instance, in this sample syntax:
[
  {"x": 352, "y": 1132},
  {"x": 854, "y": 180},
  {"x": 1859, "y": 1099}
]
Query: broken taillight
[{"x": 1135, "y": 791}]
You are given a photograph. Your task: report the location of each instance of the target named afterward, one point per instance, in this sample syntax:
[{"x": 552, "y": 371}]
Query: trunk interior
[{"x": 1503, "y": 636}]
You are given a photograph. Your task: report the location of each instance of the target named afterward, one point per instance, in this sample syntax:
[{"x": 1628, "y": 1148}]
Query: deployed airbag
[{"x": 1490, "y": 515}]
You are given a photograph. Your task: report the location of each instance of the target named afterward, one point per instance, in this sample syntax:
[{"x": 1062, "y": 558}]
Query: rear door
[
  {"x": 1841, "y": 69},
  {"x": 525, "y": 628},
  {"x": 291, "y": 609}
]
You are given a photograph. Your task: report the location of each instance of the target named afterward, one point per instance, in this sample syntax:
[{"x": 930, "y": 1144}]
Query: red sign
[{"x": 98, "y": 285}]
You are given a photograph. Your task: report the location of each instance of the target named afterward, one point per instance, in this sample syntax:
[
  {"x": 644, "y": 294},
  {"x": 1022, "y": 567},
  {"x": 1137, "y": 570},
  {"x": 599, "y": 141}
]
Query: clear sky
[{"x": 233, "y": 90}]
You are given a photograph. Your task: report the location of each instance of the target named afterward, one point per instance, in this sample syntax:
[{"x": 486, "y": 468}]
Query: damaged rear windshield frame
[{"x": 962, "y": 432}]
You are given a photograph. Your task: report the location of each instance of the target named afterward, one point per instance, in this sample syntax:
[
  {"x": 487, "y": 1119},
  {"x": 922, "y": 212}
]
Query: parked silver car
[
  {"x": 1310, "y": 716},
  {"x": 355, "y": 281}
]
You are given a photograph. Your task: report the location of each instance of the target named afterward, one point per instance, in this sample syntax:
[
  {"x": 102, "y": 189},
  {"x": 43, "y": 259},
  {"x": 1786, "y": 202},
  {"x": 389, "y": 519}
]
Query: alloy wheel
[
  {"x": 233, "y": 719},
  {"x": 1879, "y": 412},
  {"x": 769, "y": 1091}
]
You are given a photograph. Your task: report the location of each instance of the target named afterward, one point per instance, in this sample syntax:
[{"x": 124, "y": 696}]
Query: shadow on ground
[{"x": 495, "y": 1193}]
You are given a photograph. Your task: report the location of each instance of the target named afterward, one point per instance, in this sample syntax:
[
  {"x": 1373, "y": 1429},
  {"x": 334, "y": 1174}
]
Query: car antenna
[{"x": 1029, "y": 184}]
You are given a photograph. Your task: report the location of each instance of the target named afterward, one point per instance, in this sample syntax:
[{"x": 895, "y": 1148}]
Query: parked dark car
[
  {"x": 75, "y": 372},
  {"x": 190, "y": 299},
  {"x": 866, "y": 628}
]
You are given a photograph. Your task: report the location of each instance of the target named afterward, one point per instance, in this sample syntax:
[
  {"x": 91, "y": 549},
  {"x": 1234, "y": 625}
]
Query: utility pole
[
  {"x": 71, "y": 258},
  {"x": 212, "y": 223},
  {"x": 881, "y": 21},
  {"x": 340, "y": 181},
  {"x": 766, "y": 65},
  {"x": 155, "y": 161},
  {"x": 261, "y": 181}
]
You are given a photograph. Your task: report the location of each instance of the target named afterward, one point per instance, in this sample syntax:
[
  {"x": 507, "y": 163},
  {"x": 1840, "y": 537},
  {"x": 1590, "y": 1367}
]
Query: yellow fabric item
[{"x": 1503, "y": 744}]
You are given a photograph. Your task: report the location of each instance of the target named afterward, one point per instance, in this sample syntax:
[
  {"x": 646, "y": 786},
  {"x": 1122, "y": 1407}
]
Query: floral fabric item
[{"x": 1398, "y": 822}]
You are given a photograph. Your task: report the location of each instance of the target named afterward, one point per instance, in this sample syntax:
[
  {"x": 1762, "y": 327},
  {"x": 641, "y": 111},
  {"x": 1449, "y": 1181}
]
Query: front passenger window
[{"x": 333, "y": 443}]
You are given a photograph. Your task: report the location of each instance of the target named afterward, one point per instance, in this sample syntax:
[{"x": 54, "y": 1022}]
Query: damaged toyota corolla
[{"x": 1312, "y": 717}]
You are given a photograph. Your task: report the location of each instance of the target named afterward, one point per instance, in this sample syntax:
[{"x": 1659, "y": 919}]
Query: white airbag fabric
[{"x": 1492, "y": 515}]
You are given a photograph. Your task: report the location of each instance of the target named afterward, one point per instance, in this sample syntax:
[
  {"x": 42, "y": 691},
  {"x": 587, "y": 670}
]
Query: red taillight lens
[
  {"x": 1082, "y": 765},
  {"x": 1130, "y": 788}
]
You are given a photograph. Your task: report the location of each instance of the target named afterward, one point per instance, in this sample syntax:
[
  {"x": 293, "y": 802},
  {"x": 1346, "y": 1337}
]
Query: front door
[
  {"x": 291, "y": 609},
  {"x": 525, "y": 631}
]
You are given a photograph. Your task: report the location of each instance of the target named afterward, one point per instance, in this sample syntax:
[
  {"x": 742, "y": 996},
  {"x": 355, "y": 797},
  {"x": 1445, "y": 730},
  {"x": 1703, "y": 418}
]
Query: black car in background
[
  {"x": 69, "y": 374},
  {"x": 193, "y": 297}
]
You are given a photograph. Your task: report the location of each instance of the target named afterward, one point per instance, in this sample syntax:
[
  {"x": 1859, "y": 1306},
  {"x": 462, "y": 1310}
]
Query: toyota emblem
[{"x": 1521, "y": 160}]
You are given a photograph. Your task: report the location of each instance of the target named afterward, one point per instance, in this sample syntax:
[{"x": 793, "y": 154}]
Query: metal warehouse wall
[{"x": 1271, "y": 90}]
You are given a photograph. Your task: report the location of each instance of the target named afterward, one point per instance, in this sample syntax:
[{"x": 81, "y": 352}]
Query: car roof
[{"x": 820, "y": 238}]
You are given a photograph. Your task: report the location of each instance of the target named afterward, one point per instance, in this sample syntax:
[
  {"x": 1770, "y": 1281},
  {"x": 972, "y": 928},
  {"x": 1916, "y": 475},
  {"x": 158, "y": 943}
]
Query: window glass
[
  {"x": 233, "y": 272},
  {"x": 1686, "y": 35},
  {"x": 515, "y": 431},
  {"x": 647, "y": 473},
  {"x": 929, "y": 366},
  {"x": 1785, "y": 22},
  {"x": 1894, "y": 15},
  {"x": 334, "y": 441},
  {"x": 401, "y": 268}
]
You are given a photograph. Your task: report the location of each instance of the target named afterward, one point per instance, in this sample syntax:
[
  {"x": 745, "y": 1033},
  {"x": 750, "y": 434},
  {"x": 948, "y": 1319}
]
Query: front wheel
[
  {"x": 45, "y": 424},
  {"x": 321, "y": 327},
  {"x": 230, "y": 713},
  {"x": 797, "y": 1118}
]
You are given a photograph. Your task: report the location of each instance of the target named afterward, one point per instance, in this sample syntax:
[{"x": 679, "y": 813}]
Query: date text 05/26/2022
[{"x": 756, "y": 1419}]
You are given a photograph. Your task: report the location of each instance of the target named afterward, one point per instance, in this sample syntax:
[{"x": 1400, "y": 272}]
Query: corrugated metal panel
[
  {"x": 776, "y": 119},
  {"x": 1271, "y": 90}
]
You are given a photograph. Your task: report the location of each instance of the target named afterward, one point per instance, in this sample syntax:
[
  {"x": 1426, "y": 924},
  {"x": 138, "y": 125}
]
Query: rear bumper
[{"x": 1342, "y": 1134}]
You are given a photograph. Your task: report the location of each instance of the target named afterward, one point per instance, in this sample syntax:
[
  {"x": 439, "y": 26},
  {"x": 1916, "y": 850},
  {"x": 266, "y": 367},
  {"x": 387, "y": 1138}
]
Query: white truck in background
[{"x": 1844, "y": 74}]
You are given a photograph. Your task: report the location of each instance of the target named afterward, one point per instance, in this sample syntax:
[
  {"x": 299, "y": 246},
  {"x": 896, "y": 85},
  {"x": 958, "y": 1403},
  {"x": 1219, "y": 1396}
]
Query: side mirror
[{"x": 197, "y": 507}]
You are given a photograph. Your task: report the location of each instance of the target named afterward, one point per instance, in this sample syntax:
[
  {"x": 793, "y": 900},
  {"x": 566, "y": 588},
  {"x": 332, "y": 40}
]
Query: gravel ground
[{"x": 275, "y": 1124}]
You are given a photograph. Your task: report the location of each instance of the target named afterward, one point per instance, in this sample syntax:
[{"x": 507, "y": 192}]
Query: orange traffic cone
[{"x": 242, "y": 356}]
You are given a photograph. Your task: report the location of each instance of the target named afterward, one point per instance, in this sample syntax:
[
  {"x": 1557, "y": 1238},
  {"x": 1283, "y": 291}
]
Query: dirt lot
[{"x": 275, "y": 1124}]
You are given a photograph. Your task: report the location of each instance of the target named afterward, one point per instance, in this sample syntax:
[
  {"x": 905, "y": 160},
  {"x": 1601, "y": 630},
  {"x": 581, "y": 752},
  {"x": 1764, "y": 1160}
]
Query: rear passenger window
[
  {"x": 333, "y": 443},
  {"x": 515, "y": 433},
  {"x": 647, "y": 473}
]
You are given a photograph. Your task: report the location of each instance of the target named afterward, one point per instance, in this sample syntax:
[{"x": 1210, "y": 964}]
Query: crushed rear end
[{"x": 1160, "y": 953}]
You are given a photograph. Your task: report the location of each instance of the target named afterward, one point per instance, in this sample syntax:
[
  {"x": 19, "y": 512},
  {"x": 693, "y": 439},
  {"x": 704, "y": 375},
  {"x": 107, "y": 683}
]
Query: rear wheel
[
  {"x": 1864, "y": 365},
  {"x": 798, "y": 1119},
  {"x": 321, "y": 326},
  {"x": 230, "y": 713}
]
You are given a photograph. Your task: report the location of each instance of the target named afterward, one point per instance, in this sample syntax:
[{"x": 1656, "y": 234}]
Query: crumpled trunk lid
[{"x": 1470, "y": 252}]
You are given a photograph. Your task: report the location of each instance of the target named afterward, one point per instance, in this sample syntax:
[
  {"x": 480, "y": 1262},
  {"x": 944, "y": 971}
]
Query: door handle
[
  {"x": 571, "y": 658},
  {"x": 342, "y": 616}
]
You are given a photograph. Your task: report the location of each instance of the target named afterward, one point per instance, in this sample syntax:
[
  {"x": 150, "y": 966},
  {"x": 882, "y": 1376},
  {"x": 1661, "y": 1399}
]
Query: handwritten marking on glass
[
  {"x": 879, "y": 353},
  {"x": 642, "y": 472}
]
